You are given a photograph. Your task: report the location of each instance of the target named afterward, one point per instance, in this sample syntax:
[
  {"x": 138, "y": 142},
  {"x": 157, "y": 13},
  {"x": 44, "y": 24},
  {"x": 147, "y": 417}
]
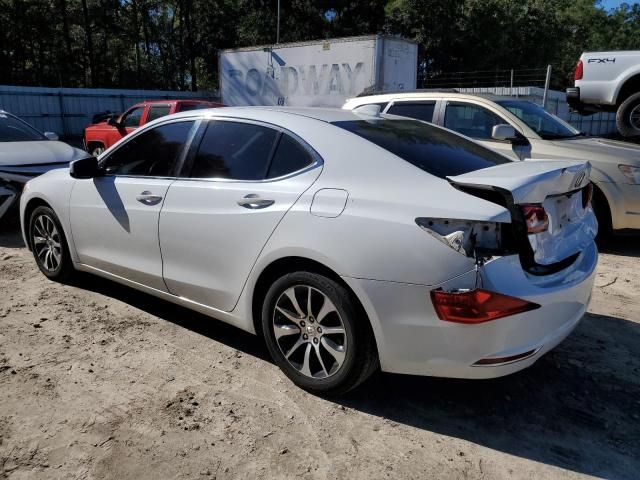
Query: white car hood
[{"x": 37, "y": 153}]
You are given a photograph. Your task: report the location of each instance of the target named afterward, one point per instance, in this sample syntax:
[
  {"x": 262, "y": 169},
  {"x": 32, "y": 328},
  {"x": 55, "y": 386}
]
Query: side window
[
  {"x": 238, "y": 151},
  {"x": 471, "y": 120},
  {"x": 417, "y": 110},
  {"x": 132, "y": 117},
  {"x": 157, "y": 111},
  {"x": 290, "y": 157},
  {"x": 153, "y": 153}
]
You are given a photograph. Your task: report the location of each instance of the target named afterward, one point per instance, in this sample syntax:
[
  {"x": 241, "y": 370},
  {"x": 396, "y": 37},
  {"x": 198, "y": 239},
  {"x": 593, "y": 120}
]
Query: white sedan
[{"x": 349, "y": 240}]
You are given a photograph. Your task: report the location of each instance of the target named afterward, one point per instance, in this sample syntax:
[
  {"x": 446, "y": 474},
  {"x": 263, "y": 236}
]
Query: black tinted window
[
  {"x": 418, "y": 110},
  {"x": 290, "y": 157},
  {"x": 240, "y": 151},
  {"x": 185, "y": 107},
  {"x": 429, "y": 148},
  {"x": 471, "y": 120},
  {"x": 153, "y": 153},
  {"x": 132, "y": 117},
  {"x": 157, "y": 111}
]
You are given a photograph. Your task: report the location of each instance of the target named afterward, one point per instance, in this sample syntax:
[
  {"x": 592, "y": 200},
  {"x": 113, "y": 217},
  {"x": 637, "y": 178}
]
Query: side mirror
[
  {"x": 85, "y": 168},
  {"x": 113, "y": 121},
  {"x": 503, "y": 132},
  {"x": 51, "y": 135}
]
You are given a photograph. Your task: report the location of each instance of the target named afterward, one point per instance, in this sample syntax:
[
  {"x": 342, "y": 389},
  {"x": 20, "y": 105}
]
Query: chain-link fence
[{"x": 526, "y": 77}]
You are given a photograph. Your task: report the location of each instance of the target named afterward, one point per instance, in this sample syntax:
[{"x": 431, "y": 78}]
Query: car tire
[
  {"x": 603, "y": 215},
  {"x": 327, "y": 349},
  {"x": 49, "y": 244},
  {"x": 96, "y": 150},
  {"x": 628, "y": 116}
]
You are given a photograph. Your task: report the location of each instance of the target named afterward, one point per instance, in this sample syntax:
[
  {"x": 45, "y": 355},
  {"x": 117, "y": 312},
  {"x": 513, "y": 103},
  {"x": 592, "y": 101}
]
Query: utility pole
[
  {"x": 546, "y": 87},
  {"x": 278, "y": 27}
]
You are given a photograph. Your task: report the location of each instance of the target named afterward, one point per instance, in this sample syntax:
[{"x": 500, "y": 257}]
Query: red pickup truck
[{"x": 100, "y": 136}]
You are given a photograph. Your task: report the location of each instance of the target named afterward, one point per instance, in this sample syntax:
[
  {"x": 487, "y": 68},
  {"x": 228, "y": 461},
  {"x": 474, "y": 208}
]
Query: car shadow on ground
[
  {"x": 577, "y": 408},
  {"x": 628, "y": 245}
]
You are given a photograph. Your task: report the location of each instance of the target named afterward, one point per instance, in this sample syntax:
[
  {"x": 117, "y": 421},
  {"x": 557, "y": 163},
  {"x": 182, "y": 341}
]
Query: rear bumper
[{"x": 412, "y": 340}]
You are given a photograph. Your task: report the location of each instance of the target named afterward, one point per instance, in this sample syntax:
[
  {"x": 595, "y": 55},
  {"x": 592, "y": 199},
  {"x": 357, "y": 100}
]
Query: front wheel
[
  {"x": 49, "y": 245},
  {"x": 316, "y": 334},
  {"x": 628, "y": 117}
]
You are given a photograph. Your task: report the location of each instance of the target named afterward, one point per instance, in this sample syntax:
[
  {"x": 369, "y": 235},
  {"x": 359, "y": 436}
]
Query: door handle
[
  {"x": 254, "y": 202},
  {"x": 149, "y": 198}
]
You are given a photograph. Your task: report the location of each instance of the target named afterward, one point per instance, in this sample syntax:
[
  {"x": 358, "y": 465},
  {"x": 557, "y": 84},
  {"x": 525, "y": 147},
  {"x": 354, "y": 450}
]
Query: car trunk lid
[{"x": 560, "y": 188}]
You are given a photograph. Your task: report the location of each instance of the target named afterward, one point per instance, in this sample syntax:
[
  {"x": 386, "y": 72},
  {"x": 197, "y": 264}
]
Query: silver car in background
[
  {"x": 523, "y": 130},
  {"x": 26, "y": 153}
]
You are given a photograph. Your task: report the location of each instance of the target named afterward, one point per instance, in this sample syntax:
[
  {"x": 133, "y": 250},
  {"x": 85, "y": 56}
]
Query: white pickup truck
[{"x": 609, "y": 81}]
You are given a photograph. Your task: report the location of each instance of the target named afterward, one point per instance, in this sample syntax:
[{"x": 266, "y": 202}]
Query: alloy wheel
[
  {"x": 46, "y": 242},
  {"x": 309, "y": 331}
]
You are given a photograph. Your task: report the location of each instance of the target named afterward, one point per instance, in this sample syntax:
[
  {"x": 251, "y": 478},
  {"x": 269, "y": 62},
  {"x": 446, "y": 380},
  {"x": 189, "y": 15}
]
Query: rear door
[
  {"x": 477, "y": 122},
  {"x": 114, "y": 218},
  {"x": 242, "y": 179},
  {"x": 419, "y": 109},
  {"x": 156, "y": 111}
]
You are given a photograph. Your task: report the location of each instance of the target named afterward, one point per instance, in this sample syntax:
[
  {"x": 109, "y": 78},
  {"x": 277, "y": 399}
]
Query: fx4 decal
[{"x": 602, "y": 60}]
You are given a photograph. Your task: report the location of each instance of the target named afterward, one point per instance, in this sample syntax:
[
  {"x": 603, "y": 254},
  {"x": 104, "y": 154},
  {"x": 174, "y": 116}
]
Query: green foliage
[{"x": 174, "y": 44}]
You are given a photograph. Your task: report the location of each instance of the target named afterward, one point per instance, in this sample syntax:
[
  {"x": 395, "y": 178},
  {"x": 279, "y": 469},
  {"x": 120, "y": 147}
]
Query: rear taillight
[
  {"x": 587, "y": 195},
  {"x": 536, "y": 218},
  {"x": 577, "y": 75},
  {"x": 477, "y": 306}
]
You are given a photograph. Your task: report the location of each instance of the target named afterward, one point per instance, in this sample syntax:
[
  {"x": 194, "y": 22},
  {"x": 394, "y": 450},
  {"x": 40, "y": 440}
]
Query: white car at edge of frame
[{"x": 351, "y": 241}]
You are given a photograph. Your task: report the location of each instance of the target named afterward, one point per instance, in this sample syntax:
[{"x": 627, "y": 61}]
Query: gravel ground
[{"x": 99, "y": 381}]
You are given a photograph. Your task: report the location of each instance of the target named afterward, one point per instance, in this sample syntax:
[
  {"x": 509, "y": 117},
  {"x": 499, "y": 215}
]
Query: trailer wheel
[{"x": 628, "y": 116}]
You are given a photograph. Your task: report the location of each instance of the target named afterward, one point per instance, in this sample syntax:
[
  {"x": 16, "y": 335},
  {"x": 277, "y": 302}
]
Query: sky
[{"x": 608, "y": 4}]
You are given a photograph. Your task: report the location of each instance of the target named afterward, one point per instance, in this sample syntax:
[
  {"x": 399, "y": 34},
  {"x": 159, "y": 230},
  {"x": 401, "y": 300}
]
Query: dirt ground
[{"x": 101, "y": 382}]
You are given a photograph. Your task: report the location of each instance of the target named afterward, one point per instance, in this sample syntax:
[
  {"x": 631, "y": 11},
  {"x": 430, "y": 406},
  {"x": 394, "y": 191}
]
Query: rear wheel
[
  {"x": 49, "y": 245},
  {"x": 628, "y": 116},
  {"x": 316, "y": 334}
]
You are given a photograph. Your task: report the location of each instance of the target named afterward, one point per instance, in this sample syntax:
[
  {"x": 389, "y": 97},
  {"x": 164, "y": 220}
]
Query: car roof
[
  {"x": 323, "y": 114},
  {"x": 423, "y": 94}
]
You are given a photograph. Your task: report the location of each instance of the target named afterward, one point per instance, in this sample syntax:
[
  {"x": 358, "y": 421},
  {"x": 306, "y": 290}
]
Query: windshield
[
  {"x": 431, "y": 149},
  {"x": 538, "y": 119},
  {"x": 12, "y": 129}
]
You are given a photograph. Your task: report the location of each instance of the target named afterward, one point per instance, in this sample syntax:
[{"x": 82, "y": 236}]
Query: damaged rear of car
[{"x": 527, "y": 231}]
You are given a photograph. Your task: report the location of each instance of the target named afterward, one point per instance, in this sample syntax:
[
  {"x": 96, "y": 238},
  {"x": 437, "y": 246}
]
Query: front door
[
  {"x": 129, "y": 122},
  {"x": 213, "y": 225},
  {"x": 477, "y": 122},
  {"x": 114, "y": 218}
]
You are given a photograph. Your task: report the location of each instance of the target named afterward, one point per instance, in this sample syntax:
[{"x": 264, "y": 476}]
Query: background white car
[
  {"x": 26, "y": 153},
  {"x": 349, "y": 241},
  {"x": 522, "y": 130}
]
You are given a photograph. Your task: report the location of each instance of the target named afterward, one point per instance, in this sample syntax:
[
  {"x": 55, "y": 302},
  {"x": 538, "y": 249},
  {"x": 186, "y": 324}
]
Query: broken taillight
[
  {"x": 477, "y": 306},
  {"x": 536, "y": 218},
  {"x": 577, "y": 75},
  {"x": 587, "y": 195}
]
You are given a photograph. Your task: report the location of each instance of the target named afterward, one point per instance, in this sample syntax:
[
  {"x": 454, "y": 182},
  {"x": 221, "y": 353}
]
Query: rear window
[{"x": 431, "y": 149}]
